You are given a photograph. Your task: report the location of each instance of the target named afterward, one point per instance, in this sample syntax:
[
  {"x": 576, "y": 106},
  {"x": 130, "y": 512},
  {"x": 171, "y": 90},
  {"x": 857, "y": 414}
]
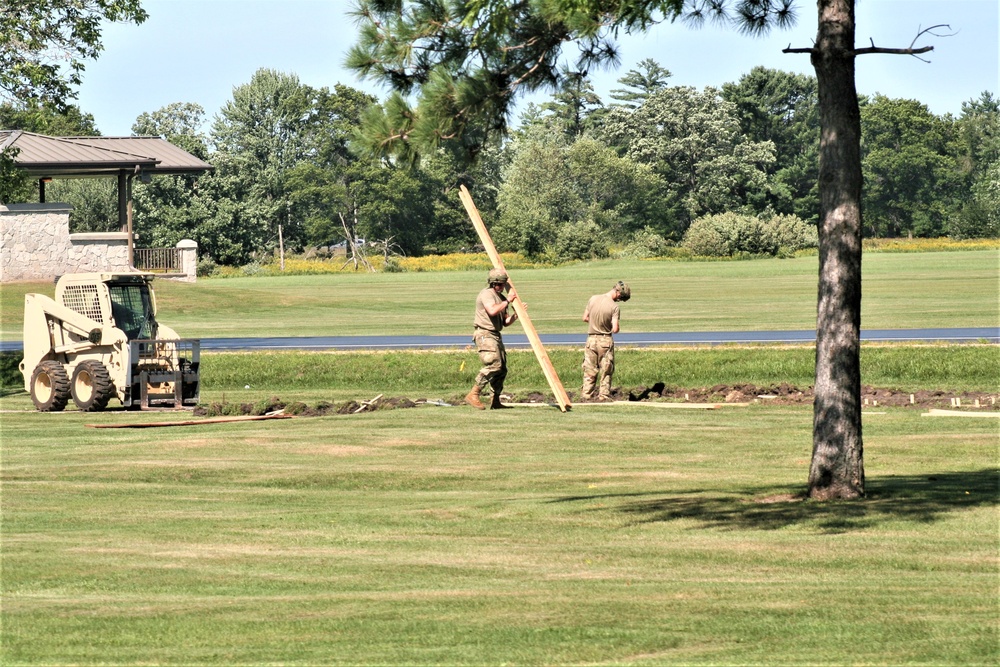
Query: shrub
[
  {"x": 974, "y": 221},
  {"x": 580, "y": 240},
  {"x": 206, "y": 267},
  {"x": 791, "y": 233},
  {"x": 735, "y": 235},
  {"x": 644, "y": 244},
  {"x": 252, "y": 269},
  {"x": 708, "y": 236},
  {"x": 392, "y": 265}
]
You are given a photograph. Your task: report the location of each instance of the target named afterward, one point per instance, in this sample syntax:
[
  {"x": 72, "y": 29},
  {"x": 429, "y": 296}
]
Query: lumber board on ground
[
  {"x": 647, "y": 404},
  {"x": 192, "y": 422},
  {"x": 935, "y": 412},
  {"x": 536, "y": 343}
]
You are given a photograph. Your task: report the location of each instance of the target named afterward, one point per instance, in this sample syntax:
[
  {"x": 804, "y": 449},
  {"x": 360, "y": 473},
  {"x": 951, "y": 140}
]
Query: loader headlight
[{"x": 95, "y": 337}]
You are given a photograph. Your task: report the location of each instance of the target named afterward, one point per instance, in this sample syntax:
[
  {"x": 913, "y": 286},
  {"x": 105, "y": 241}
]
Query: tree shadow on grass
[{"x": 923, "y": 498}]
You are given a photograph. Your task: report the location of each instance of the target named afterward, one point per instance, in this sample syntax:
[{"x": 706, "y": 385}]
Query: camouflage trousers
[
  {"x": 598, "y": 358},
  {"x": 489, "y": 345}
]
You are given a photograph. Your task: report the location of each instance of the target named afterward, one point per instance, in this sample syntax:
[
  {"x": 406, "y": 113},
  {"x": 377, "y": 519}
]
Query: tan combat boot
[{"x": 473, "y": 398}]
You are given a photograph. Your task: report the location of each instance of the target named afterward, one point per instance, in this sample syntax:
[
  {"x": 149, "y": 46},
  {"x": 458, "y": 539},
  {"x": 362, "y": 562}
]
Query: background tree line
[{"x": 577, "y": 176}]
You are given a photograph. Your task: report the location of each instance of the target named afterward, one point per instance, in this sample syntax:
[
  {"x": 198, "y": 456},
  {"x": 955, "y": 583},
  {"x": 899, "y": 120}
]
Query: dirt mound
[
  {"x": 275, "y": 404},
  {"x": 780, "y": 394}
]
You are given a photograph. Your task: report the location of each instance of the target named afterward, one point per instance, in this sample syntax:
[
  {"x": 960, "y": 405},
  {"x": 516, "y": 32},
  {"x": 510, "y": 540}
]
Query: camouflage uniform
[
  {"x": 489, "y": 342},
  {"x": 489, "y": 345},
  {"x": 602, "y": 313},
  {"x": 598, "y": 358}
]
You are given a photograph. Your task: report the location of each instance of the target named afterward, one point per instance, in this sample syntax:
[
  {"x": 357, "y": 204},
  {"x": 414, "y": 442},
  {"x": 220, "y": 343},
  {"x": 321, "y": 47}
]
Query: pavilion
[{"x": 44, "y": 158}]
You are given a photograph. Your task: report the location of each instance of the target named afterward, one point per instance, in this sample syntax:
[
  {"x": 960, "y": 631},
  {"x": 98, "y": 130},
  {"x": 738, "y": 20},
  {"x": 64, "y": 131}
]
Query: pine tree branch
[
  {"x": 909, "y": 51},
  {"x": 789, "y": 49}
]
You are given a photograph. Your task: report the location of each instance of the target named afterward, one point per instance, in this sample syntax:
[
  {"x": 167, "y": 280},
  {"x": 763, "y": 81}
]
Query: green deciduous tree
[
  {"x": 978, "y": 130},
  {"x": 908, "y": 161},
  {"x": 259, "y": 136},
  {"x": 43, "y": 46},
  {"x": 553, "y": 181},
  {"x": 693, "y": 141},
  {"x": 44, "y": 43},
  {"x": 169, "y": 208},
  {"x": 46, "y": 118},
  {"x": 783, "y": 108}
]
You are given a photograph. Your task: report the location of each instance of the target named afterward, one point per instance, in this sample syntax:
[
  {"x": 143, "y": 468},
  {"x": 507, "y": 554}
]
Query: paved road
[{"x": 960, "y": 335}]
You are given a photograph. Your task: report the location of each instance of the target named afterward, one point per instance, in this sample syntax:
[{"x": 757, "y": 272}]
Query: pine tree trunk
[{"x": 837, "y": 468}]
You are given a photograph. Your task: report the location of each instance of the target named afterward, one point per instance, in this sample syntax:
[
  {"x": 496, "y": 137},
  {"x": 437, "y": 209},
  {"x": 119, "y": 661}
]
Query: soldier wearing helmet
[
  {"x": 492, "y": 315},
  {"x": 602, "y": 314}
]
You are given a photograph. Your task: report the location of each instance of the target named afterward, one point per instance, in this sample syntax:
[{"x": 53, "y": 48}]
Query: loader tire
[
  {"x": 49, "y": 386},
  {"x": 92, "y": 387}
]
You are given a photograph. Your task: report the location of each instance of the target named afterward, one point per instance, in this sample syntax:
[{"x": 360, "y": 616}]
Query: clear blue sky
[{"x": 199, "y": 50}]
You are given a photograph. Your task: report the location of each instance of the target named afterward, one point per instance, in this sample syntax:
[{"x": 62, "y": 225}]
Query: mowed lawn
[
  {"x": 901, "y": 291},
  {"x": 610, "y": 535},
  {"x": 435, "y": 535}
]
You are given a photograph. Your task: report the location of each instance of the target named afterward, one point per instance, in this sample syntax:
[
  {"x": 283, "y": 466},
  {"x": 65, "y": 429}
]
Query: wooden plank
[
  {"x": 681, "y": 406},
  {"x": 934, "y": 412},
  {"x": 536, "y": 343},
  {"x": 193, "y": 422},
  {"x": 645, "y": 404}
]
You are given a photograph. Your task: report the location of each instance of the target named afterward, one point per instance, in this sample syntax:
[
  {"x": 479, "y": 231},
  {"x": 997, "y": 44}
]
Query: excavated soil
[{"x": 782, "y": 394}]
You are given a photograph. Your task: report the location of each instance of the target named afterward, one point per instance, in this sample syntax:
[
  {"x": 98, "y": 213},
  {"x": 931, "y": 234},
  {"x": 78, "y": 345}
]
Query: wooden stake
[
  {"x": 367, "y": 404},
  {"x": 536, "y": 343}
]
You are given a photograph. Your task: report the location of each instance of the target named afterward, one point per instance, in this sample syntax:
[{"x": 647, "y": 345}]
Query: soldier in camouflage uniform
[
  {"x": 491, "y": 317},
  {"x": 599, "y": 354}
]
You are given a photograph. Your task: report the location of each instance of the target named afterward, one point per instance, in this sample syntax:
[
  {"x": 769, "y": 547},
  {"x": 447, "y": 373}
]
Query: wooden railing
[{"x": 158, "y": 260}]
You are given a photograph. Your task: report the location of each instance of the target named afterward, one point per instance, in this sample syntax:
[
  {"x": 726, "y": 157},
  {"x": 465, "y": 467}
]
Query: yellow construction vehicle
[{"x": 98, "y": 340}]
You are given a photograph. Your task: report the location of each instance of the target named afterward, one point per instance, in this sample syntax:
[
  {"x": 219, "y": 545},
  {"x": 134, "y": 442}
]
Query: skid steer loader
[{"x": 98, "y": 340}]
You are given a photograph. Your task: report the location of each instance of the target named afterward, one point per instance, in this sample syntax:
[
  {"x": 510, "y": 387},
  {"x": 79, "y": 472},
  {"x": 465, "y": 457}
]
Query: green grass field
[
  {"x": 450, "y": 536},
  {"x": 608, "y": 535},
  {"x": 933, "y": 289}
]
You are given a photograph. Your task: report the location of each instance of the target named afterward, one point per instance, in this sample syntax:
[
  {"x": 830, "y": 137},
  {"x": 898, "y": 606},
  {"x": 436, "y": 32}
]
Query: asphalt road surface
[{"x": 512, "y": 340}]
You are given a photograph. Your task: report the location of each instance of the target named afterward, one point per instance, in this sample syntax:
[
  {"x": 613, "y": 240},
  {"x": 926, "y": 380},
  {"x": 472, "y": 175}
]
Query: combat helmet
[{"x": 496, "y": 277}]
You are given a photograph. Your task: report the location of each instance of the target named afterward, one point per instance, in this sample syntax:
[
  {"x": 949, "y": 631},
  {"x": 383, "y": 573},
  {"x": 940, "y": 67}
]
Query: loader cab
[{"x": 133, "y": 307}]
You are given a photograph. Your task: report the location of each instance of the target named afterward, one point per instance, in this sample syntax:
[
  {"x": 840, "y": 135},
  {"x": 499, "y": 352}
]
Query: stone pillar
[
  {"x": 188, "y": 251},
  {"x": 96, "y": 252}
]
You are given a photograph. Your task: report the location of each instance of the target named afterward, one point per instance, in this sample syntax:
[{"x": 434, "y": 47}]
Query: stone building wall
[{"x": 34, "y": 241}]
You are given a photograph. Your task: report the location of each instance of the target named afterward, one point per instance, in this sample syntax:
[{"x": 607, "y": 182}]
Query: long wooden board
[
  {"x": 193, "y": 422},
  {"x": 935, "y": 412},
  {"x": 536, "y": 343}
]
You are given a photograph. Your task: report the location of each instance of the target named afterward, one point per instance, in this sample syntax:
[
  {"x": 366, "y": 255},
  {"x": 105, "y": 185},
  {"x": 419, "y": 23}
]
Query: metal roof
[{"x": 42, "y": 156}]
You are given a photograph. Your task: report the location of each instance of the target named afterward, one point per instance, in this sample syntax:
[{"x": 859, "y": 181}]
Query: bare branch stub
[
  {"x": 909, "y": 51},
  {"x": 789, "y": 49}
]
